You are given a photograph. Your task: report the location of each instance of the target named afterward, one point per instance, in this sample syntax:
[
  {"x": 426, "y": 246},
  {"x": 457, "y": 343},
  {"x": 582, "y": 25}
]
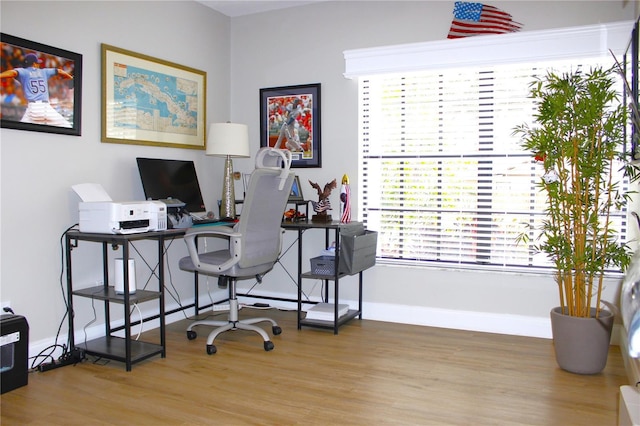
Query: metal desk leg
[
  {"x": 127, "y": 305},
  {"x": 69, "y": 295},
  {"x": 336, "y": 286},
  {"x": 161, "y": 290},
  {"x": 299, "y": 278}
]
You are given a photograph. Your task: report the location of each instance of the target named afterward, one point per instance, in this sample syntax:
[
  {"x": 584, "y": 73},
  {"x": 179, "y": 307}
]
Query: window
[{"x": 441, "y": 177}]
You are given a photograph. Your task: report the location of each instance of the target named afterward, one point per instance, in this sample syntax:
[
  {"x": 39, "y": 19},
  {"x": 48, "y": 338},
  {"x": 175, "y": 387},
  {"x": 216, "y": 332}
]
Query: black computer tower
[{"x": 14, "y": 352}]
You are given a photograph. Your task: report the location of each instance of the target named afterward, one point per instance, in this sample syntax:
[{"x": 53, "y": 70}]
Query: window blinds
[{"x": 442, "y": 177}]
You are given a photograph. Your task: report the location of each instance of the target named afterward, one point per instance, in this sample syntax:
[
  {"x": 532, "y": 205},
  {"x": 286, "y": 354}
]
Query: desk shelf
[
  {"x": 109, "y": 294},
  {"x": 112, "y": 347},
  {"x": 351, "y": 314},
  {"x": 311, "y": 275},
  {"x": 301, "y": 227},
  {"x": 124, "y": 349}
]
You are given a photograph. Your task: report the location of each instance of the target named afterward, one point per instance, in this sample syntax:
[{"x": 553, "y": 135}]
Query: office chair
[{"x": 254, "y": 242}]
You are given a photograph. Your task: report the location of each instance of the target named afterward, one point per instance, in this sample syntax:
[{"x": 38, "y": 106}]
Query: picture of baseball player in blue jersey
[{"x": 34, "y": 82}]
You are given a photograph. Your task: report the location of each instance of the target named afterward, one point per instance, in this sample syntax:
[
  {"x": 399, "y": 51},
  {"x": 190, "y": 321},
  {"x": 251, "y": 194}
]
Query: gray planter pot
[{"x": 581, "y": 344}]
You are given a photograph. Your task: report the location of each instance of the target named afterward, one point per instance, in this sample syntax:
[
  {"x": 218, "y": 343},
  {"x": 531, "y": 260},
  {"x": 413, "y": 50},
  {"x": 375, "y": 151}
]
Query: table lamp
[{"x": 228, "y": 140}]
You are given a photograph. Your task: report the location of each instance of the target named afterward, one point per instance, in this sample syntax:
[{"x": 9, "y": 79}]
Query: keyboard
[{"x": 204, "y": 221}]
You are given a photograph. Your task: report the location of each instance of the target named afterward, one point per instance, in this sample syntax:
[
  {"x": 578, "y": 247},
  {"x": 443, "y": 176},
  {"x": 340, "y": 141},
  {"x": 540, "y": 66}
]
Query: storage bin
[
  {"x": 358, "y": 252},
  {"x": 323, "y": 265}
]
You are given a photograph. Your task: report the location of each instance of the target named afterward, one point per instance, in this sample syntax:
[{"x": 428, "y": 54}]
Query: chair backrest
[{"x": 262, "y": 212}]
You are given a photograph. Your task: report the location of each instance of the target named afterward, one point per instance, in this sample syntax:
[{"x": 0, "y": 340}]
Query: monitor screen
[{"x": 162, "y": 179}]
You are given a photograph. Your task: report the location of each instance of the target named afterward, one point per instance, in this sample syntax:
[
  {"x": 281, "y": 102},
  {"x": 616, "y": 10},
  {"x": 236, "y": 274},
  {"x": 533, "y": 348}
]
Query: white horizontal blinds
[{"x": 443, "y": 178}]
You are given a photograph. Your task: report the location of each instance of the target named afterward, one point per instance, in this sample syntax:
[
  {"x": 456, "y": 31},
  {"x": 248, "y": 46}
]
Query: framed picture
[
  {"x": 148, "y": 101},
  {"x": 41, "y": 87},
  {"x": 296, "y": 191},
  {"x": 290, "y": 119}
]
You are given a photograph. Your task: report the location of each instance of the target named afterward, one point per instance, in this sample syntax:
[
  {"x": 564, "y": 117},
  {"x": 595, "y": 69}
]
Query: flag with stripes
[
  {"x": 345, "y": 199},
  {"x": 471, "y": 19}
]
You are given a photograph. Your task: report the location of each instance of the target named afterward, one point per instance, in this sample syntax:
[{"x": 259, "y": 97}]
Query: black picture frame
[
  {"x": 276, "y": 106},
  {"x": 64, "y": 94},
  {"x": 296, "y": 191}
]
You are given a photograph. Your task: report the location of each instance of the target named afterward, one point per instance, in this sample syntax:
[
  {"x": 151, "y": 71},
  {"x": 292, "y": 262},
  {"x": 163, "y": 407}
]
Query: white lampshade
[{"x": 228, "y": 139}]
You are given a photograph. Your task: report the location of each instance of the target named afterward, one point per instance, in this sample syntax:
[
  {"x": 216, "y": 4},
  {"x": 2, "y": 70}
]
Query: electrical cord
[
  {"x": 171, "y": 289},
  {"x": 65, "y": 297},
  {"x": 135, "y": 305},
  {"x": 175, "y": 297},
  {"x": 46, "y": 355},
  {"x": 95, "y": 318}
]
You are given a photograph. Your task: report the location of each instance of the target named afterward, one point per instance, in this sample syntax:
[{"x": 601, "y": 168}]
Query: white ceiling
[{"x": 235, "y": 8}]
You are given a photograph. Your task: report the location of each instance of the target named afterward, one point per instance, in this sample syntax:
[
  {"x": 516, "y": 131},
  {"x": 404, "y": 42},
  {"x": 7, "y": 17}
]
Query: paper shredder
[{"x": 14, "y": 352}]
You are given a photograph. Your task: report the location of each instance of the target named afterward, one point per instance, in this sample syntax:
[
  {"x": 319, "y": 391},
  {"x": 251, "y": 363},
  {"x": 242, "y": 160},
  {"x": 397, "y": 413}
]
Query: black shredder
[{"x": 14, "y": 352}]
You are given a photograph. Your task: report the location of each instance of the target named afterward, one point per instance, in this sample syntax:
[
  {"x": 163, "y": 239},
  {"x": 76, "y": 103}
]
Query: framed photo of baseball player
[
  {"x": 290, "y": 119},
  {"x": 150, "y": 101},
  {"x": 40, "y": 87}
]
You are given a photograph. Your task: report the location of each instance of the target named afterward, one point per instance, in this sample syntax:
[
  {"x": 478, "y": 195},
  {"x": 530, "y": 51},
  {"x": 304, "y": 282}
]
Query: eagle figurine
[{"x": 322, "y": 205}]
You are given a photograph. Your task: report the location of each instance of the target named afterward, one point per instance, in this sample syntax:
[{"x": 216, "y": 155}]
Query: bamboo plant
[{"x": 579, "y": 137}]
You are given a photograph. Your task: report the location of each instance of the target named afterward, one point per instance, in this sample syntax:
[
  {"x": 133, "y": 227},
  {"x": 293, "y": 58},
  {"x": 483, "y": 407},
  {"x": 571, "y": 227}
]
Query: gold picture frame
[{"x": 149, "y": 101}]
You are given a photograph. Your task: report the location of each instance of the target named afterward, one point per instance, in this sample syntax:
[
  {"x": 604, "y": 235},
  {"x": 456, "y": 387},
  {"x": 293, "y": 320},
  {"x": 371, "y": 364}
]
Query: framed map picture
[
  {"x": 148, "y": 101},
  {"x": 290, "y": 119},
  {"x": 41, "y": 87}
]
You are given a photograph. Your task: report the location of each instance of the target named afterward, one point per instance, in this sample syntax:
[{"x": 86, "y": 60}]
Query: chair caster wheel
[
  {"x": 276, "y": 330},
  {"x": 211, "y": 349},
  {"x": 268, "y": 346},
  {"x": 191, "y": 335}
]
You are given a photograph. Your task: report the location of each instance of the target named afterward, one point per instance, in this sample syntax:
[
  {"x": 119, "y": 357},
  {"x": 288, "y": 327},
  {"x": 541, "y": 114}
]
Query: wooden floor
[{"x": 372, "y": 373}]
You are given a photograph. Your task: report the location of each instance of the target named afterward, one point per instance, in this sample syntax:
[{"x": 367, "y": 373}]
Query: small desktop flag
[
  {"x": 345, "y": 200},
  {"x": 470, "y": 19}
]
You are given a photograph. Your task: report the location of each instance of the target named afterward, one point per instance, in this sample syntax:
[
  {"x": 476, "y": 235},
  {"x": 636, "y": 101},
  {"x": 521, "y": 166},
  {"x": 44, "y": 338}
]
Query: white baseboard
[{"x": 518, "y": 325}]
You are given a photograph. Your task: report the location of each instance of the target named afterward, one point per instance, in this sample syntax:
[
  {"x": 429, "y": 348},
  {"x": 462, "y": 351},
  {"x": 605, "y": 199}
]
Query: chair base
[
  {"x": 233, "y": 323},
  {"x": 224, "y": 326}
]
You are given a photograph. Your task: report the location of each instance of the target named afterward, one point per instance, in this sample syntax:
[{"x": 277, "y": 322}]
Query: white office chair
[{"x": 254, "y": 242}]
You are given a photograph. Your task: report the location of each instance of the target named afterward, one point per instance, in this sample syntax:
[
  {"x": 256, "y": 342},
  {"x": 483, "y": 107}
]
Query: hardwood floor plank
[{"x": 371, "y": 373}]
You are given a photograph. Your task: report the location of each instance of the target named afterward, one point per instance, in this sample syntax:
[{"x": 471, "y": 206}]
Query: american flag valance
[{"x": 470, "y": 19}]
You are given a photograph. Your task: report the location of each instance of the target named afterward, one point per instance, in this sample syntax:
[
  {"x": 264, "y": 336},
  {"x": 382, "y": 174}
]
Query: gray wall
[
  {"x": 240, "y": 55},
  {"x": 305, "y": 45},
  {"x": 38, "y": 169}
]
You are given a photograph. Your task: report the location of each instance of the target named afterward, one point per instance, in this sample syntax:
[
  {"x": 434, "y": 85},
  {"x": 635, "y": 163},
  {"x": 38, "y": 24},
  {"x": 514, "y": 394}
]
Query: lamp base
[{"x": 228, "y": 201}]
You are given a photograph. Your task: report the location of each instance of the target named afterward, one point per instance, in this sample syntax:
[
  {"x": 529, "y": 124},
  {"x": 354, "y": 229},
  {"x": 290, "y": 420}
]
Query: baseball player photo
[{"x": 36, "y": 88}]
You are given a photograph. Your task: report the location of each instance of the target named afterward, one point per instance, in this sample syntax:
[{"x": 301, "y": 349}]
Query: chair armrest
[
  {"x": 192, "y": 235},
  {"x": 212, "y": 231}
]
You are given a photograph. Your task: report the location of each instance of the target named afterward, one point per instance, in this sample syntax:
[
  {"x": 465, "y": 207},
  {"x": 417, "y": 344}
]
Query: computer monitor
[{"x": 177, "y": 179}]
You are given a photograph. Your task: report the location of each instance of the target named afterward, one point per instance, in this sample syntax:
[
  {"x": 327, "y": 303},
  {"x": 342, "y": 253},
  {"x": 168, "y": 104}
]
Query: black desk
[
  {"x": 113, "y": 347},
  {"x": 336, "y": 226}
]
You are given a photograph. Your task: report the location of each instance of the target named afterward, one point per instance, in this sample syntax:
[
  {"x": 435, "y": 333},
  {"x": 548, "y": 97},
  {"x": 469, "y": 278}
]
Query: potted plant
[{"x": 579, "y": 137}]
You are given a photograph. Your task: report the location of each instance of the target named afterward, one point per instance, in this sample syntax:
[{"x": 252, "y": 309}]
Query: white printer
[
  {"x": 129, "y": 217},
  {"x": 97, "y": 213}
]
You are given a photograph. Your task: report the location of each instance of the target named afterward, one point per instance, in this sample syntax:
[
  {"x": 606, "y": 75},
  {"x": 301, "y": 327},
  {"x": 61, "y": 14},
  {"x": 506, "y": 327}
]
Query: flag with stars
[{"x": 470, "y": 19}]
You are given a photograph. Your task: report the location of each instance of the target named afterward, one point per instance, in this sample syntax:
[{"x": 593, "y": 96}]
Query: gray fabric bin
[{"x": 358, "y": 252}]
